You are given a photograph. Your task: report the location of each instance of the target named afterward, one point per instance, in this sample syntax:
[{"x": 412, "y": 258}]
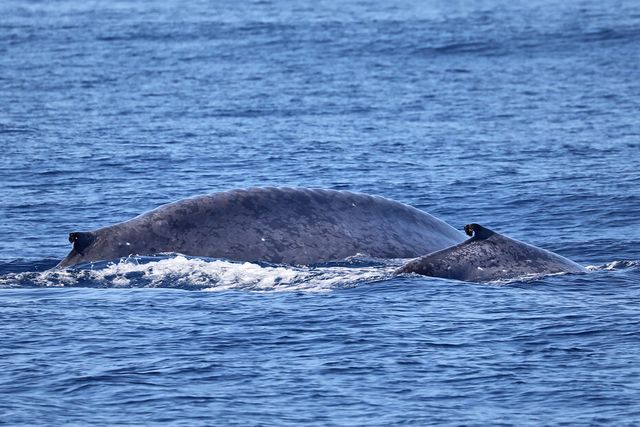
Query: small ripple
[{"x": 14, "y": 129}]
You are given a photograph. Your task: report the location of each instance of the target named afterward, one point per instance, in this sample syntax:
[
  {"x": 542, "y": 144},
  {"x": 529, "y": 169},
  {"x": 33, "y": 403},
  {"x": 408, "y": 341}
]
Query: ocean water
[{"x": 519, "y": 115}]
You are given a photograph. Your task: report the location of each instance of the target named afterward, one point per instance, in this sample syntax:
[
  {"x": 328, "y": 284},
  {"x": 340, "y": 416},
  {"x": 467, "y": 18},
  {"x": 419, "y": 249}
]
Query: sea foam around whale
[{"x": 190, "y": 273}]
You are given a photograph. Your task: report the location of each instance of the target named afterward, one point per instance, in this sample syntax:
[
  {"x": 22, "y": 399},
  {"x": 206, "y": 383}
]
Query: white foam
[
  {"x": 210, "y": 275},
  {"x": 614, "y": 265}
]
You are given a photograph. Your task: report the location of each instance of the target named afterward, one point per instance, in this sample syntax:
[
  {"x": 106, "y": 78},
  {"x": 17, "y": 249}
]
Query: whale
[
  {"x": 283, "y": 225},
  {"x": 489, "y": 256},
  {"x": 301, "y": 226}
]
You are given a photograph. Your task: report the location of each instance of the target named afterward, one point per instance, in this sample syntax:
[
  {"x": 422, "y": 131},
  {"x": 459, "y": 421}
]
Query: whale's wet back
[
  {"x": 279, "y": 225},
  {"x": 489, "y": 256}
]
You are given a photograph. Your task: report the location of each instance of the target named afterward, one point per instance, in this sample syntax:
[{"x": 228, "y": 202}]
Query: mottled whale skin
[
  {"x": 489, "y": 256},
  {"x": 278, "y": 225}
]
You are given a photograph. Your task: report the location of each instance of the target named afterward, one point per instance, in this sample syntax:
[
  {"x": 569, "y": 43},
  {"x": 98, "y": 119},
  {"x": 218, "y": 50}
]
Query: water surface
[{"x": 521, "y": 116}]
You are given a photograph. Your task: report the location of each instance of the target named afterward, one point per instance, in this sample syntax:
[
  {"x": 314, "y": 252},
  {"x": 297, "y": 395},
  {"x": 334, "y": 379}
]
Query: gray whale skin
[
  {"x": 489, "y": 256},
  {"x": 278, "y": 225},
  {"x": 301, "y": 226}
]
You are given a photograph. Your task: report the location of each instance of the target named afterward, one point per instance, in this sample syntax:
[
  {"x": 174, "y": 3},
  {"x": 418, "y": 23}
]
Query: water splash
[
  {"x": 181, "y": 272},
  {"x": 615, "y": 265}
]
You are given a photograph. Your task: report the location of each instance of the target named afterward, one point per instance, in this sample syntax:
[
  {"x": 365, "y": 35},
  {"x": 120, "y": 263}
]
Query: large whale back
[
  {"x": 280, "y": 225},
  {"x": 489, "y": 256}
]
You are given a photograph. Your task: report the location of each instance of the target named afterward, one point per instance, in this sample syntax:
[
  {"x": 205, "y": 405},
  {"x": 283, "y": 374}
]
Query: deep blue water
[{"x": 522, "y": 116}]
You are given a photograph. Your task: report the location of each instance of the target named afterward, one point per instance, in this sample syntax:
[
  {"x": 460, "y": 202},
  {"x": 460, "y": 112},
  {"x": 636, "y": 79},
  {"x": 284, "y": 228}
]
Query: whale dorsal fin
[
  {"x": 478, "y": 232},
  {"x": 81, "y": 240}
]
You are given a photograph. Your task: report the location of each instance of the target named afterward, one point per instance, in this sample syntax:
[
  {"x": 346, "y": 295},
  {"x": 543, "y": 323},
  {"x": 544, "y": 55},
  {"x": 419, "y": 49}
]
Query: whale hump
[
  {"x": 296, "y": 226},
  {"x": 489, "y": 256}
]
